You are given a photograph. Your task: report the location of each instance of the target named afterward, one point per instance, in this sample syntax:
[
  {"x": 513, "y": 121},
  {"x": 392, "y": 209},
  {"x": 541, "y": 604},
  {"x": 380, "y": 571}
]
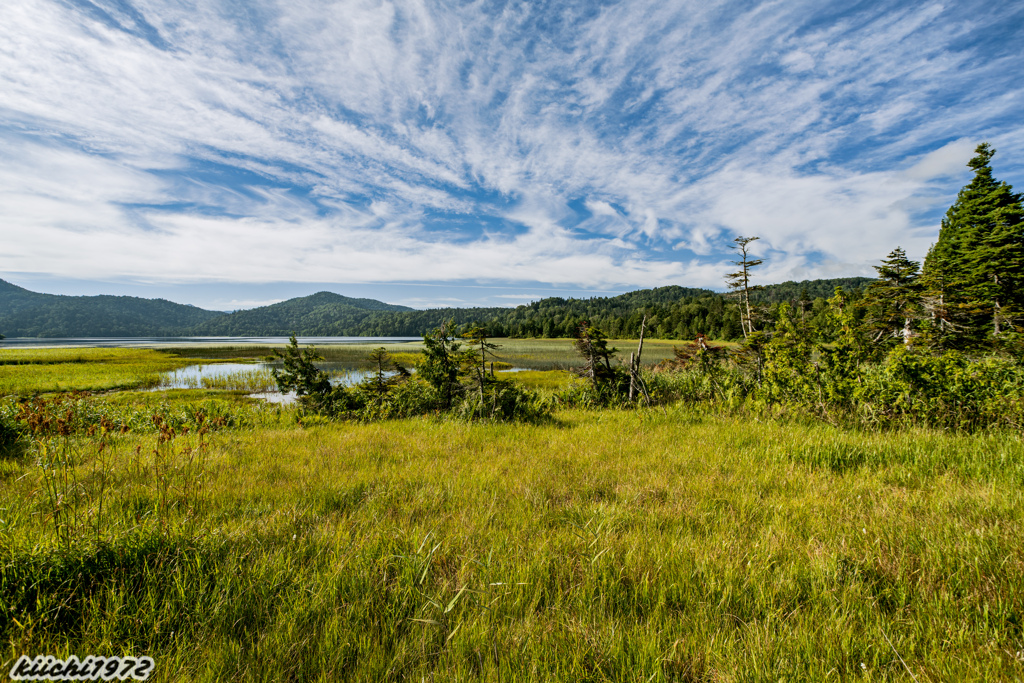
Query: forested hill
[
  {"x": 30, "y": 314},
  {"x": 808, "y": 290},
  {"x": 672, "y": 312},
  {"x": 320, "y": 314}
]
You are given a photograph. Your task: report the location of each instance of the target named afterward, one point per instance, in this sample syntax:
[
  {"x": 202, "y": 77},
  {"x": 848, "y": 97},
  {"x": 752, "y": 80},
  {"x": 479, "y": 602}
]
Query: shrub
[
  {"x": 505, "y": 401},
  {"x": 10, "y": 431}
]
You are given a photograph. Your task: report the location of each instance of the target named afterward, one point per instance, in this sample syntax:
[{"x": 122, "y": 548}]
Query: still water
[
  {"x": 193, "y": 376},
  {"x": 156, "y": 342}
]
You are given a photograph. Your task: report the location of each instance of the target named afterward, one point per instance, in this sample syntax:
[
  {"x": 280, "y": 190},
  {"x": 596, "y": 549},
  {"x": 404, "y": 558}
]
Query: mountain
[
  {"x": 30, "y": 314},
  {"x": 323, "y": 314},
  {"x": 672, "y": 313}
]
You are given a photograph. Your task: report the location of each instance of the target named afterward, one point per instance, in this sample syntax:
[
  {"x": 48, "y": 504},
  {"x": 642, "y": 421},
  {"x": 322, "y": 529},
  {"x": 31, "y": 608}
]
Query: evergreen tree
[
  {"x": 739, "y": 282},
  {"x": 386, "y": 374},
  {"x": 442, "y": 363},
  {"x": 300, "y": 373},
  {"x": 975, "y": 271},
  {"x": 592, "y": 344},
  {"x": 893, "y": 300},
  {"x": 477, "y": 336}
]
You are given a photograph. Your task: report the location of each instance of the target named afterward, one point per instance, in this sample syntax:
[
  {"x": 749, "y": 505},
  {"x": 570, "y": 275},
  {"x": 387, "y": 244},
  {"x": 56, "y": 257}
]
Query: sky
[{"x": 234, "y": 153}]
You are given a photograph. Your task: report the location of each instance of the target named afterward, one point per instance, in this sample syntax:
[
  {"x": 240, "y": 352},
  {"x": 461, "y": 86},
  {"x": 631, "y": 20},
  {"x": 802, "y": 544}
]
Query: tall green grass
[
  {"x": 658, "y": 545},
  {"x": 28, "y": 371},
  {"x": 250, "y": 381}
]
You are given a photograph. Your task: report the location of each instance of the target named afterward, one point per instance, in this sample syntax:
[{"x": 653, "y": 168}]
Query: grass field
[
  {"x": 28, "y": 371},
  {"x": 666, "y": 544},
  {"x": 660, "y": 545}
]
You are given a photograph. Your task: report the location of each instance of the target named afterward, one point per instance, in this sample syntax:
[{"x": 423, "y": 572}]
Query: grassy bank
[
  {"x": 28, "y": 371},
  {"x": 641, "y": 546}
]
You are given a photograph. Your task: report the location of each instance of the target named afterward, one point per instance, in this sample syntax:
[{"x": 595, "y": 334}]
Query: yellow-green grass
[
  {"x": 254, "y": 380},
  {"x": 547, "y": 380},
  {"x": 532, "y": 353},
  {"x": 27, "y": 371},
  {"x": 159, "y": 397},
  {"x": 612, "y": 546},
  {"x": 335, "y": 353}
]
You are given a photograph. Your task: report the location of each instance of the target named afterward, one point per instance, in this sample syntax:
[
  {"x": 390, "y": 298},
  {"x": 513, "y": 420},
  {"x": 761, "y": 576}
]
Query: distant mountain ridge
[
  {"x": 673, "y": 312},
  {"x": 24, "y": 313},
  {"x": 321, "y": 314}
]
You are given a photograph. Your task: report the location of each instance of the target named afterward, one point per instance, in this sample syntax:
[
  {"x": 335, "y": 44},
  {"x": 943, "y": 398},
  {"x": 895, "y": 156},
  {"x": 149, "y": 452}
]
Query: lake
[{"x": 157, "y": 342}]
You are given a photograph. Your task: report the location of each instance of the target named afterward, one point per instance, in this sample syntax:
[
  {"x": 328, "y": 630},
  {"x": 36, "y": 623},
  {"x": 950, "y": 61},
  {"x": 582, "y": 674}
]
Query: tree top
[{"x": 984, "y": 154}]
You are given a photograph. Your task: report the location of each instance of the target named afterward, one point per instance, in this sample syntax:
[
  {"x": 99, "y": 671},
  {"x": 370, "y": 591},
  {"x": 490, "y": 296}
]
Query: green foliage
[
  {"x": 672, "y": 313},
  {"x": 476, "y": 336},
  {"x": 840, "y": 362},
  {"x": 592, "y": 345},
  {"x": 950, "y": 391},
  {"x": 386, "y": 375},
  {"x": 739, "y": 282},
  {"x": 320, "y": 314},
  {"x": 300, "y": 373},
  {"x": 11, "y": 433},
  {"x": 505, "y": 401},
  {"x": 893, "y": 301},
  {"x": 697, "y": 373},
  {"x": 788, "y": 376},
  {"x": 444, "y": 363},
  {"x": 974, "y": 270},
  {"x": 808, "y": 291},
  {"x": 30, "y": 314}
]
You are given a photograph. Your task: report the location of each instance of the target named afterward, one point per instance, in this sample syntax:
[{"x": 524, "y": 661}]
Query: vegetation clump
[{"x": 449, "y": 380}]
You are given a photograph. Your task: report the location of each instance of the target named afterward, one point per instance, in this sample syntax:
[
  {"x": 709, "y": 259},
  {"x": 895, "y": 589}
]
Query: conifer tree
[
  {"x": 893, "y": 300},
  {"x": 386, "y": 374},
  {"x": 300, "y": 373},
  {"x": 975, "y": 271},
  {"x": 592, "y": 344},
  {"x": 739, "y": 282},
  {"x": 442, "y": 363}
]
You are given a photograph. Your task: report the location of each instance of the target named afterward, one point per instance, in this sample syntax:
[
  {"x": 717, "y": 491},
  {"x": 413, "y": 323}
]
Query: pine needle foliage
[{"x": 975, "y": 271}]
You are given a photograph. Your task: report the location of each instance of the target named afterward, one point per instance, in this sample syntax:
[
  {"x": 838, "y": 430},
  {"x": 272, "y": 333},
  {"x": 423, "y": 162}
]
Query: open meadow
[{"x": 235, "y": 540}]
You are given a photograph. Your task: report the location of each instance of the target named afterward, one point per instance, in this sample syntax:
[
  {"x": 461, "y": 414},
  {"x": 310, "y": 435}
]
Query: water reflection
[{"x": 252, "y": 377}]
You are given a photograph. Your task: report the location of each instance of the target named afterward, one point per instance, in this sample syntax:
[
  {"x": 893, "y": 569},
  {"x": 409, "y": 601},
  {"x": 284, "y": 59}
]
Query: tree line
[{"x": 939, "y": 346}]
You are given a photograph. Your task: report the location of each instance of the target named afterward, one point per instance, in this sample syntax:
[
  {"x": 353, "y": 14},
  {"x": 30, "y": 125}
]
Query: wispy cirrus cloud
[{"x": 590, "y": 144}]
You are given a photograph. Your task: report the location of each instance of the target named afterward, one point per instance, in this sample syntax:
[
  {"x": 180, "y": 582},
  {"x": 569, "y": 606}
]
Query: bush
[
  {"x": 10, "y": 431},
  {"x": 505, "y": 401},
  {"x": 949, "y": 391}
]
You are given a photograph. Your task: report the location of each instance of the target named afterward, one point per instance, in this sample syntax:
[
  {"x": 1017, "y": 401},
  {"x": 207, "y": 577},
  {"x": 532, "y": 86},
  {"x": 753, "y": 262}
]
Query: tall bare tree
[{"x": 739, "y": 282}]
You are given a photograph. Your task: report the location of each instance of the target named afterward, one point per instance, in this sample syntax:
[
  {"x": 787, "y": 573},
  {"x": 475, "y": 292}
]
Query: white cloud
[{"x": 360, "y": 126}]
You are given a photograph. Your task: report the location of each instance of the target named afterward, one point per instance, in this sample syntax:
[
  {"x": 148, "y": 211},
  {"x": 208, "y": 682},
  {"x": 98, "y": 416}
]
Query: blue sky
[{"x": 235, "y": 153}]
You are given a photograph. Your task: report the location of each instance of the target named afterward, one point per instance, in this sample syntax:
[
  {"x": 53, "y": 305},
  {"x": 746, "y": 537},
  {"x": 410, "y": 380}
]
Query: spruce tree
[
  {"x": 592, "y": 344},
  {"x": 975, "y": 271},
  {"x": 893, "y": 300},
  {"x": 442, "y": 363}
]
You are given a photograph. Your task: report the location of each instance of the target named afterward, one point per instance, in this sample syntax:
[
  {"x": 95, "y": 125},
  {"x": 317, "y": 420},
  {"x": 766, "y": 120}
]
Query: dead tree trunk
[{"x": 634, "y": 367}]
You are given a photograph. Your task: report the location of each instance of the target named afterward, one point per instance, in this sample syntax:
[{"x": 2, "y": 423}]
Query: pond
[
  {"x": 257, "y": 379},
  {"x": 253, "y": 377}
]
